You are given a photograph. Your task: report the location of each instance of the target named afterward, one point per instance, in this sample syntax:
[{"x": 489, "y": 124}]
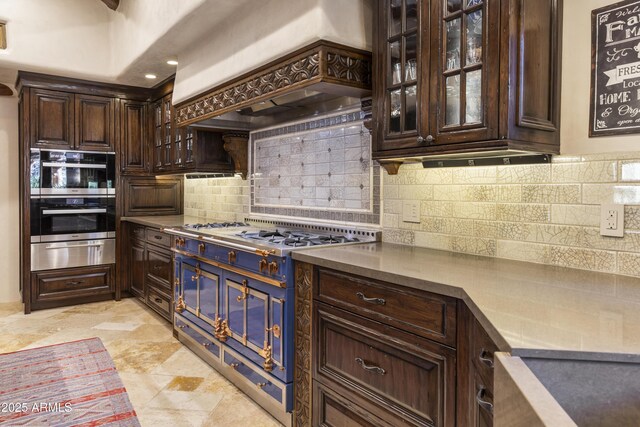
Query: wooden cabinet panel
[
  {"x": 410, "y": 376},
  {"x": 73, "y": 283},
  {"x": 465, "y": 77},
  {"x": 52, "y": 119},
  {"x": 136, "y": 262},
  {"x": 157, "y": 237},
  {"x": 482, "y": 405},
  {"x": 426, "y": 314},
  {"x": 134, "y": 150},
  {"x": 94, "y": 123},
  {"x": 144, "y": 196},
  {"x": 330, "y": 409},
  {"x": 160, "y": 302},
  {"x": 159, "y": 267}
]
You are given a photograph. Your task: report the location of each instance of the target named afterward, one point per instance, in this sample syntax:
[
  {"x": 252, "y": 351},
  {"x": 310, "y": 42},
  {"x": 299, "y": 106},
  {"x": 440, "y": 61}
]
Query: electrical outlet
[
  {"x": 411, "y": 211},
  {"x": 612, "y": 220}
]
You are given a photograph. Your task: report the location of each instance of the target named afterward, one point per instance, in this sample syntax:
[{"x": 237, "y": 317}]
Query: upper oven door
[
  {"x": 72, "y": 218},
  {"x": 76, "y": 173}
]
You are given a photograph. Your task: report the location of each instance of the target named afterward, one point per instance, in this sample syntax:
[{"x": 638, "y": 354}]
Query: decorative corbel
[{"x": 237, "y": 145}]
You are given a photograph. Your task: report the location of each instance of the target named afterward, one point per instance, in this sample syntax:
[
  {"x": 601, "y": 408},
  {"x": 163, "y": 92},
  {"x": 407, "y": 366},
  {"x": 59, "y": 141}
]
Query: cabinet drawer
[
  {"x": 331, "y": 409},
  {"x": 138, "y": 232},
  {"x": 410, "y": 376},
  {"x": 482, "y": 352},
  {"x": 276, "y": 390},
  {"x": 158, "y": 238},
  {"x": 160, "y": 267},
  {"x": 197, "y": 335},
  {"x": 75, "y": 282},
  {"x": 423, "y": 313},
  {"x": 159, "y": 302}
]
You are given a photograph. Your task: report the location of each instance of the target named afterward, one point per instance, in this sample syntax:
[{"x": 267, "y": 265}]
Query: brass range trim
[{"x": 233, "y": 269}]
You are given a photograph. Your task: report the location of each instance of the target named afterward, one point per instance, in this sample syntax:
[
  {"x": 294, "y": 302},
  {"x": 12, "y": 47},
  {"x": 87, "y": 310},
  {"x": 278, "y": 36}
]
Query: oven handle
[
  {"x": 73, "y": 165},
  {"x": 79, "y": 245},
  {"x": 71, "y": 211}
]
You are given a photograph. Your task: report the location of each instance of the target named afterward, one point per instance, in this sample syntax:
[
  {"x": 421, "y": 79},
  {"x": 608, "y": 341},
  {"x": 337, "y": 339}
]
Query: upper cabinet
[
  {"x": 63, "y": 120},
  {"x": 95, "y": 123},
  {"x": 134, "y": 152},
  {"x": 163, "y": 153},
  {"x": 465, "y": 76}
]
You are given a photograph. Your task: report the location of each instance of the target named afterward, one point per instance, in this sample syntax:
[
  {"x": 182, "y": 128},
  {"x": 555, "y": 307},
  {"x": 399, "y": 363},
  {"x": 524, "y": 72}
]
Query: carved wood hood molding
[{"x": 323, "y": 66}]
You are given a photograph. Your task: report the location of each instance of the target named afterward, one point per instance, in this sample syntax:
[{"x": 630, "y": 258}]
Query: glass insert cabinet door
[
  {"x": 402, "y": 73},
  {"x": 467, "y": 70}
]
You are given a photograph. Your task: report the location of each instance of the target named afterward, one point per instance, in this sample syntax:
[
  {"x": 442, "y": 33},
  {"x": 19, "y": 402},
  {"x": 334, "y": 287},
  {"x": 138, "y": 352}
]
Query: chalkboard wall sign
[{"x": 615, "y": 66}]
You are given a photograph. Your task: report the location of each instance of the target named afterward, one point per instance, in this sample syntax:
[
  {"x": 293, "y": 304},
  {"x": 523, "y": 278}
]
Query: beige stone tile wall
[
  {"x": 224, "y": 199},
  {"x": 545, "y": 214}
]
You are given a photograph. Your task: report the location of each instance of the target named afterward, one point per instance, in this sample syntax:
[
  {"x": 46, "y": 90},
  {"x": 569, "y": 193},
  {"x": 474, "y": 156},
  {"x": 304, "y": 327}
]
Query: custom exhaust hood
[{"x": 318, "y": 78}]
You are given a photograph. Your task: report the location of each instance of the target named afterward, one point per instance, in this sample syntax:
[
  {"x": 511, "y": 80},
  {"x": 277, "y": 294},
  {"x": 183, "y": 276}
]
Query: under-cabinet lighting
[{"x": 150, "y": 76}]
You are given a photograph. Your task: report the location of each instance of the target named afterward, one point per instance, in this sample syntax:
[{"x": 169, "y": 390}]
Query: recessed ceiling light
[
  {"x": 172, "y": 62},
  {"x": 150, "y": 76}
]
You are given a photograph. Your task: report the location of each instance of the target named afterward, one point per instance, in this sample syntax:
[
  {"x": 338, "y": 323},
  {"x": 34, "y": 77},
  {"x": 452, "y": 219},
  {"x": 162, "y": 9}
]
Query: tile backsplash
[
  {"x": 221, "y": 199},
  {"x": 545, "y": 213}
]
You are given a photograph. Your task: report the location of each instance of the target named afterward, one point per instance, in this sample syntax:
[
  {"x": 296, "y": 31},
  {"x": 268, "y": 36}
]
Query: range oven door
[
  {"x": 72, "y": 172},
  {"x": 72, "y": 218}
]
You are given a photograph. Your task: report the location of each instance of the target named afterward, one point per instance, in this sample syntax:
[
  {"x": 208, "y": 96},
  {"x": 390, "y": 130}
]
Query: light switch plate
[
  {"x": 411, "y": 211},
  {"x": 612, "y": 220}
]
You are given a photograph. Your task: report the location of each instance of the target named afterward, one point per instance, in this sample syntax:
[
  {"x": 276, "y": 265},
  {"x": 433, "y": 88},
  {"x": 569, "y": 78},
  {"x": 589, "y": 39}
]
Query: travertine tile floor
[{"x": 167, "y": 383}]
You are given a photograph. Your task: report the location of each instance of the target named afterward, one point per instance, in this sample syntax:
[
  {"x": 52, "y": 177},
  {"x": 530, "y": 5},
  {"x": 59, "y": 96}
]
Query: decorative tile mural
[
  {"x": 546, "y": 214},
  {"x": 320, "y": 169}
]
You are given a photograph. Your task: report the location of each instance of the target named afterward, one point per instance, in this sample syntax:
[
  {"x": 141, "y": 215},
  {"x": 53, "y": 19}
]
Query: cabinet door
[
  {"x": 133, "y": 144},
  {"x": 402, "y": 90},
  {"x": 95, "y": 123},
  {"x": 136, "y": 269},
  {"x": 158, "y": 137},
  {"x": 163, "y": 151},
  {"x": 464, "y": 70},
  {"x": 51, "y": 119}
]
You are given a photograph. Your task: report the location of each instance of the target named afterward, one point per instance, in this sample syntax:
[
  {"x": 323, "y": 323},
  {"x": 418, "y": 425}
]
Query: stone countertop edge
[
  {"x": 343, "y": 263},
  {"x": 160, "y": 221}
]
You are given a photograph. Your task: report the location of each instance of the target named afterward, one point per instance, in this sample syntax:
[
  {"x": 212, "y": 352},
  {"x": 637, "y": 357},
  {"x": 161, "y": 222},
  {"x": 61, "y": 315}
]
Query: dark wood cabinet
[
  {"x": 152, "y": 196},
  {"x": 149, "y": 267},
  {"x": 163, "y": 153},
  {"x": 134, "y": 150},
  {"x": 94, "y": 123},
  {"x": 64, "y": 120},
  {"x": 475, "y": 373},
  {"x": 466, "y": 76},
  {"x": 53, "y": 288},
  {"x": 397, "y": 349},
  {"x": 52, "y": 119}
]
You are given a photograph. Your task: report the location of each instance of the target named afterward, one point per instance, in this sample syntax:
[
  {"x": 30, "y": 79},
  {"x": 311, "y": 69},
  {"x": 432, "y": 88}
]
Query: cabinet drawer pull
[
  {"x": 76, "y": 283},
  {"x": 379, "y": 301},
  {"x": 370, "y": 368},
  {"x": 234, "y": 365},
  {"x": 183, "y": 326},
  {"x": 430, "y": 138},
  {"x": 157, "y": 237},
  {"x": 157, "y": 267},
  {"x": 261, "y": 385},
  {"x": 487, "y": 406},
  {"x": 157, "y": 300},
  {"x": 484, "y": 359},
  {"x": 201, "y": 248},
  {"x": 206, "y": 344}
]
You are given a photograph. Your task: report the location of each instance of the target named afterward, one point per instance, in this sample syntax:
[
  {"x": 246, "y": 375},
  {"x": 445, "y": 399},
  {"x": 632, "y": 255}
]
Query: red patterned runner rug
[{"x": 69, "y": 384}]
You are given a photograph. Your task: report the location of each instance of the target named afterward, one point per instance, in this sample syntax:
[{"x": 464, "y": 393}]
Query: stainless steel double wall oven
[{"x": 72, "y": 208}]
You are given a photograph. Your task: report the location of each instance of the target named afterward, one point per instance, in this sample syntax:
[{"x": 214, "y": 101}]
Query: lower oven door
[
  {"x": 72, "y": 218},
  {"x": 47, "y": 256}
]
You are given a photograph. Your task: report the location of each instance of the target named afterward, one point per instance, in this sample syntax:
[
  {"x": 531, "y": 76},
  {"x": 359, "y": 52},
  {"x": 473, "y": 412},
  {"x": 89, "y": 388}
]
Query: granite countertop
[
  {"x": 528, "y": 309},
  {"x": 160, "y": 221}
]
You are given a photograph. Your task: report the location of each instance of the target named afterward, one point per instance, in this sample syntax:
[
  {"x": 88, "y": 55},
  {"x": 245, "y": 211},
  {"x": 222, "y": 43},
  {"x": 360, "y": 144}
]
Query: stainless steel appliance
[
  {"x": 234, "y": 299},
  {"x": 72, "y": 208},
  {"x": 66, "y": 172}
]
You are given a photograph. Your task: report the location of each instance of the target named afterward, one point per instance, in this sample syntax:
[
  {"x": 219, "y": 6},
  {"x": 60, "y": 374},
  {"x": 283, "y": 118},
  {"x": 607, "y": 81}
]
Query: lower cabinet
[
  {"x": 53, "y": 288},
  {"x": 149, "y": 267},
  {"x": 387, "y": 355}
]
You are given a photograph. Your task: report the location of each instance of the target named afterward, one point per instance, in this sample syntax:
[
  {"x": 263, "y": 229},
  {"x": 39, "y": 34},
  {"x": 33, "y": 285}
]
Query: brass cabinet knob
[
  {"x": 201, "y": 248},
  {"x": 273, "y": 268},
  {"x": 234, "y": 365},
  {"x": 262, "y": 265},
  {"x": 261, "y": 385},
  {"x": 231, "y": 256},
  {"x": 179, "y": 241}
]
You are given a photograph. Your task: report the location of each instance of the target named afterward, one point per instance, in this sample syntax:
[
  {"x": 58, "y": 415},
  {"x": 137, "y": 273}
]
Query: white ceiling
[{"x": 85, "y": 39}]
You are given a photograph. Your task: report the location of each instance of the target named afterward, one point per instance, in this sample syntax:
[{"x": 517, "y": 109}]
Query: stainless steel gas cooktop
[{"x": 279, "y": 237}]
